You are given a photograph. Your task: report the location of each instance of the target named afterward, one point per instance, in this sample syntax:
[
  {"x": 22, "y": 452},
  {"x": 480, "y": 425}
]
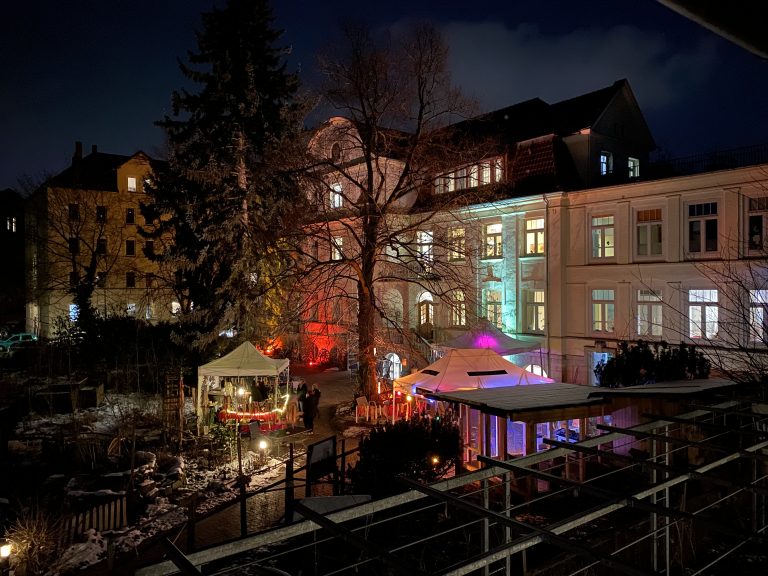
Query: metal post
[
  {"x": 241, "y": 482},
  {"x": 289, "y": 486}
]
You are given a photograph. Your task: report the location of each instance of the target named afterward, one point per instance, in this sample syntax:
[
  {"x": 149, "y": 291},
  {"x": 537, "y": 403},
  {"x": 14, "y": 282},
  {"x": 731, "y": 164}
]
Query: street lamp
[{"x": 5, "y": 557}]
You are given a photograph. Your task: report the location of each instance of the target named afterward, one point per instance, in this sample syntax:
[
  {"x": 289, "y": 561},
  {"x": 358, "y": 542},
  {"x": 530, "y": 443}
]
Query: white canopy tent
[
  {"x": 243, "y": 361},
  {"x": 467, "y": 369},
  {"x": 485, "y": 335}
]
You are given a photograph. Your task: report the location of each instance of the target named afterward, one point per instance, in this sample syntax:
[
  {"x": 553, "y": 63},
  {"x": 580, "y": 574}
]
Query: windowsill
[
  {"x": 533, "y": 255},
  {"x": 501, "y": 257}
]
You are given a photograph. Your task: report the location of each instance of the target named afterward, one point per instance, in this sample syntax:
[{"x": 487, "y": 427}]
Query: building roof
[
  {"x": 508, "y": 401},
  {"x": 96, "y": 171},
  {"x": 671, "y": 388}
]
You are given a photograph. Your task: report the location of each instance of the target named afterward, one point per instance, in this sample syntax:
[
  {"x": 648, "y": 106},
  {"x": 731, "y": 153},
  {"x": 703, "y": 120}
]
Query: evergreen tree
[{"x": 220, "y": 198}]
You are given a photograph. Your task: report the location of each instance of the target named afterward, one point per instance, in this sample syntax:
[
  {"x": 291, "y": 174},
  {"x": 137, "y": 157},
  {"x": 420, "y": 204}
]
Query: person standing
[
  {"x": 316, "y": 401},
  {"x": 308, "y": 414}
]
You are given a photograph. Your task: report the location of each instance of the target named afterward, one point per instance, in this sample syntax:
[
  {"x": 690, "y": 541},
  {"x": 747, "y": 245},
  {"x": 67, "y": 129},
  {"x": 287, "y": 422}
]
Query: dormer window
[
  {"x": 471, "y": 176},
  {"x": 606, "y": 163},
  {"x": 132, "y": 184},
  {"x": 336, "y": 152},
  {"x": 633, "y": 167}
]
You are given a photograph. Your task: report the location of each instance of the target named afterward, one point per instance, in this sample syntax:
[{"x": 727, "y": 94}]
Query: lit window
[
  {"x": 10, "y": 223},
  {"x": 493, "y": 241},
  {"x": 424, "y": 248},
  {"x": 649, "y": 232},
  {"x": 633, "y": 167},
  {"x": 130, "y": 216},
  {"x": 758, "y": 319},
  {"x": 131, "y": 183},
  {"x": 649, "y": 310},
  {"x": 758, "y": 212},
  {"x": 498, "y": 170},
  {"x": 485, "y": 173},
  {"x": 426, "y": 309},
  {"x": 472, "y": 177},
  {"x": 175, "y": 308},
  {"x": 337, "y": 200},
  {"x": 606, "y": 163},
  {"x": 337, "y": 248},
  {"x": 493, "y": 307},
  {"x": 74, "y": 312},
  {"x": 702, "y": 313},
  {"x": 130, "y": 280},
  {"x": 602, "y": 237},
  {"x": 130, "y": 247},
  {"x": 148, "y": 311},
  {"x": 534, "y": 236},
  {"x": 602, "y": 311},
  {"x": 535, "y": 314},
  {"x": 702, "y": 227},
  {"x": 130, "y": 309},
  {"x": 101, "y": 214},
  {"x": 457, "y": 244},
  {"x": 74, "y": 211},
  {"x": 458, "y": 309}
]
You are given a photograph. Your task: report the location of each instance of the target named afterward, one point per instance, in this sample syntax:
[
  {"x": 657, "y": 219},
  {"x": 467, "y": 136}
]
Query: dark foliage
[
  {"x": 642, "y": 363},
  {"x": 422, "y": 449},
  {"x": 217, "y": 202}
]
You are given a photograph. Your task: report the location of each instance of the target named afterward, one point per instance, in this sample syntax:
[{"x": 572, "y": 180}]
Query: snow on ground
[{"x": 215, "y": 487}]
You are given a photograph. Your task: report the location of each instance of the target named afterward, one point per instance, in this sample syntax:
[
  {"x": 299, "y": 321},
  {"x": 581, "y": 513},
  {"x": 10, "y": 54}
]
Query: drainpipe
[{"x": 546, "y": 282}]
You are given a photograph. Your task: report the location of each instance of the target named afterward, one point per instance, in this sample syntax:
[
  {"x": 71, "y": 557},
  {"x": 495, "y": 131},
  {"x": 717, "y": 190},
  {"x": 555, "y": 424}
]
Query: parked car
[
  {"x": 21, "y": 348},
  {"x": 16, "y": 338}
]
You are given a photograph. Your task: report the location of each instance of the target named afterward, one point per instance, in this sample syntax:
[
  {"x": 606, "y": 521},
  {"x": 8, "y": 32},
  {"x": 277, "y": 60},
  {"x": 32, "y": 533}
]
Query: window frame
[
  {"x": 132, "y": 184},
  {"x": 493, "y": 242},
  {"x": 704, "y": 219},
  {"x": 603, "y": 310},
  {"x": 633, "y": 167},
  {"x": 130, "y": 279},
  {"x": 457, "y": 244},
  {"x": 651, "y": 301},
  {"x": 537, "y": 235},
  {"x": 337, "y": 248},
  {"x": 101, "y": 214},
  {"x": 606, "y": 163},
  {"x": 757, "y": 224},
  {"x": 458, "y": 308},
  {"x": 336, "y": 198},
  {"x": 757, "y": 330},
  {"x": 649, "y": 225},
  {"x": 130, "y": 215},
  {"x": 705, "y": 307},
  {"x": 73, "y": 212},
  {"x": 535, "y": 311},
  {"x": 494, "y": 308},
  {"x": 599, "y": 251},
  {"x": 130, "y": 247}
]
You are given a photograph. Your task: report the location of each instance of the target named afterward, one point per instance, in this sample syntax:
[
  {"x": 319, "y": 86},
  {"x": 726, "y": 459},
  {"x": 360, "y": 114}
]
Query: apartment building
[
  {"x": 83, "y": 234},
  {"x": 578, "y": 247}
]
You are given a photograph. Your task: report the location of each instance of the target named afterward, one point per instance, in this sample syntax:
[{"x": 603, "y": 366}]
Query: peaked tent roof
[
  {"x": 245, "y": 360},
  {"x": 467, "y": 369},
  {"x": 486, "y": 335}
]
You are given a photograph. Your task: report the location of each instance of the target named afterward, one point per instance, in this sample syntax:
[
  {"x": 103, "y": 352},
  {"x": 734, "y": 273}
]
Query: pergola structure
[{"x": 689, "y": 498}]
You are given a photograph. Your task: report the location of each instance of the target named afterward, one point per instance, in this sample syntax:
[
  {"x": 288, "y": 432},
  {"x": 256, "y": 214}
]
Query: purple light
[{"x": 485, "y": 341}]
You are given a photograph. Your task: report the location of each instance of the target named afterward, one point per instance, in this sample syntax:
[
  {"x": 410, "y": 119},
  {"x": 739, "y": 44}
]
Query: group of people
[{"x": 309, "y": 401}]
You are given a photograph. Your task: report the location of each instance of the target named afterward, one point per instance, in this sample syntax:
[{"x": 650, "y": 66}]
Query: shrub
[{"x": 642, "y": 363}]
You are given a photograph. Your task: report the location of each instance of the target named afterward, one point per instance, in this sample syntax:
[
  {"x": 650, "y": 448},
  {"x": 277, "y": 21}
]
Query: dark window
[
  {"x": 149, "y": 279},
  {"x": 149, "y": 248},
  {"x": 130, "y": 280},
  {"x": 73, "y": 279},
  {"x": 101, "y": 279},
  {"x": 74, "y": 212},
  {"x": 130, "y": 248},
  {"x": 74, "y": 246},
  {"x": 101, "y": 214},
  {"x": 101, "y": 246},
  {"x": 130, "y": 216}
]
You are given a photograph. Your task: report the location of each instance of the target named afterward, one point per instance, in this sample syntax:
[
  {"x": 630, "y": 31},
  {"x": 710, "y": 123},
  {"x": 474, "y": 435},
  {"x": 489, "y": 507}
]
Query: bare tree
[{"x": 375, "y": 217}]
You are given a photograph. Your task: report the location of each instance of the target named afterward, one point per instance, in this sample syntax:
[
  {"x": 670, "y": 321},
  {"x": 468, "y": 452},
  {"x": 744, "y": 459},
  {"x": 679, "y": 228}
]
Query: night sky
[{"x": 102, "y": 71}]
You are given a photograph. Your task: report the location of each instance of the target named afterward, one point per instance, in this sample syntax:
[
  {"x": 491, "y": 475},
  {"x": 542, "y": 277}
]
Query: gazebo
[{"x": 245, "y": 361}]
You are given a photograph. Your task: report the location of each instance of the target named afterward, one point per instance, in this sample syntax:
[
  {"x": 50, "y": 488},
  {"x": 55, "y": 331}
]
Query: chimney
[
  {"x": 94, "y": 149},
  {"x": 78, "y": 152}
]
